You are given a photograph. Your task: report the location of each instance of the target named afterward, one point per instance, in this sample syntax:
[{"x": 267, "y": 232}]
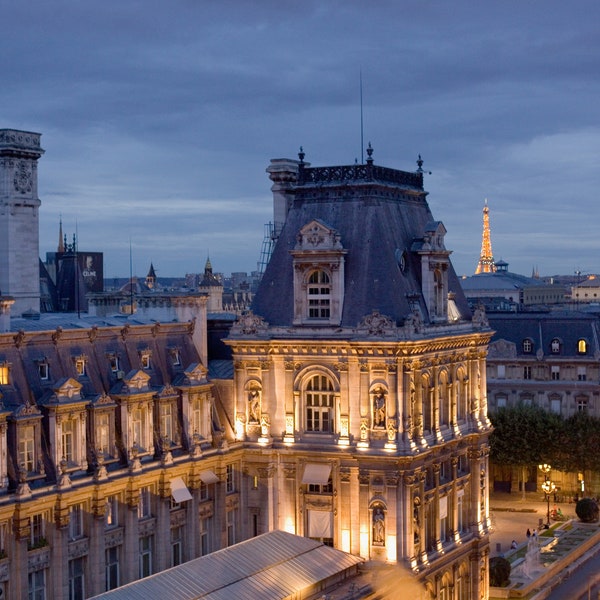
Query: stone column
[{"x": 364, "y": 514}]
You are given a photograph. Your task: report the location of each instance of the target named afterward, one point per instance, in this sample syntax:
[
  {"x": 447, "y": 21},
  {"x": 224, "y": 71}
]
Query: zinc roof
[{"x": 272, "y": 566}]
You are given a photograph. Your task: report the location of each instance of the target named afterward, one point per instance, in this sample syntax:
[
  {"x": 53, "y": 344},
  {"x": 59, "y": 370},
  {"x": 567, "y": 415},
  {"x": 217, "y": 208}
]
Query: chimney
[
  {"x": 5, "y": 303},
  {"x": 283, "y": 172}
]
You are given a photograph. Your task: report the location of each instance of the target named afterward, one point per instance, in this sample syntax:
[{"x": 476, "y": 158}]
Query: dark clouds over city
[{"x": 160, "y": 117}]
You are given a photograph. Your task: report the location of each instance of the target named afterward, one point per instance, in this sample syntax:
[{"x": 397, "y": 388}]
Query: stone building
[
  {"x": 359, "y": 383},
  {"x": 19, "y": 219}
]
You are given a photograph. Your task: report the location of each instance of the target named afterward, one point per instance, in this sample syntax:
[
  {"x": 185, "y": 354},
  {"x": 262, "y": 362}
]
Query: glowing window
[
  {"x": 319, "y": 295},
  {"x": 582, "y": 346},
  {"x": 3, "y": 374},
  {"x": 319, "y": 405}
]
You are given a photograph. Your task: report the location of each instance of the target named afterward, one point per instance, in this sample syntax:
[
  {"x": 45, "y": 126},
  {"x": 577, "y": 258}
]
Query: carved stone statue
[
  {"x": 254, "y": 406},
  {"x": 379, "y": 409},
  {"x": 378, "y": 526}
]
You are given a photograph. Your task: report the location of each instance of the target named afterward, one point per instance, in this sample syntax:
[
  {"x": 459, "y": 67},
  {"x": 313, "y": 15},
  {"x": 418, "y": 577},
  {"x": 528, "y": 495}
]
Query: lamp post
[{"x": 548, "y": 487}]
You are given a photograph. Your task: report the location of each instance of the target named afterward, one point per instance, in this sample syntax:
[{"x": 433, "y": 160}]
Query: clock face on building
[{"x": 23, "y": 179}]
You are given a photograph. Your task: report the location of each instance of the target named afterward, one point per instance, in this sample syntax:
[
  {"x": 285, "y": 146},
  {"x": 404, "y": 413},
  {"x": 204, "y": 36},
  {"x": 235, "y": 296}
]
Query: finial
[
  {"x": 420, "y": 166},
  {"x": 301, "y": 155},
  {"x": 370, "y": 154}
]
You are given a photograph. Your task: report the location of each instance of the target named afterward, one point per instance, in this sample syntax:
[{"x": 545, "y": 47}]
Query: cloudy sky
[{"x": 159, "y": 119}]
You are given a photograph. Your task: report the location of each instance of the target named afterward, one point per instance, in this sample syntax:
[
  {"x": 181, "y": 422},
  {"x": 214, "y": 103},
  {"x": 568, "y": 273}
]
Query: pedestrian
[
  {"x": 514, "y": 545},
  {"x": 528, "y": 533}
]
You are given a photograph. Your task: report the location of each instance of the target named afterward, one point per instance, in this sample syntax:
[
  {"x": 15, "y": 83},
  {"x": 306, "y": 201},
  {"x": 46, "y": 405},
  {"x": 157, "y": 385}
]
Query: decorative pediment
[
  {"x": 103, "y": 400},
  {"x": 316, "y": 235},
  {"x": 249, "y": 324},
  {"x": 196, "y": 373},
  {"x": 167, "y": 391},
  {"x": 27, "y": 410},
  {"x": 377, "y": 324},
  {"x": 137, "y": 380},
  {"x": 67, "y": 389},
  {"x": 502, "y": 349}
]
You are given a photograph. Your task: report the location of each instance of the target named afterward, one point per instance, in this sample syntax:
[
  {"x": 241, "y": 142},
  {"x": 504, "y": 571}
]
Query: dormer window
[
  {"x": 44, "y": 371},
  {"x": 80, "y": 366},
  {"x": 555, "y": 346},
  {"x": 527, "y": 346},
  {"x": 582, "y": 346},
  {"x": 175, "y": 357},
  {"x": 318, "y": 263},
  {"x": 114, "y": 362},
  {"x": 145, "y": 359},
  {"x": 319, "y": 295}
]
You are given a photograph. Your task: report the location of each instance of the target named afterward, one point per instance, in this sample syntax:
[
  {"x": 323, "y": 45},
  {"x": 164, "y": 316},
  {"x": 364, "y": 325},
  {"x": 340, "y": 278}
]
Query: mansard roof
[
  {"x": 543, "y": 327},
  {"x": 379, "y": 215}
]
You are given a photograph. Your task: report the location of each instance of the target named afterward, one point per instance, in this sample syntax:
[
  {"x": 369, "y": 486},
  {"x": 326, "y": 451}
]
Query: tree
[
  {"x": 499, "y": 571},
  {"x": 524, "y": 436},
  {"x": 579, "y": 448},
  {"x": 587, "y": 510}
]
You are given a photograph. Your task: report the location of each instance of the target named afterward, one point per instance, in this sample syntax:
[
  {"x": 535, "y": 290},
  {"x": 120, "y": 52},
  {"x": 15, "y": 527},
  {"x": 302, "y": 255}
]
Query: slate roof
[
  {"x": 542, "y": 328},
  {"x": 498, "y": 281},
  {"x": 378, "y": 220}
]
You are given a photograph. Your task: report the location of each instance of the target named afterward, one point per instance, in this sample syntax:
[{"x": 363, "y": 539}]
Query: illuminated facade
[{"x": 359, "y": 379}]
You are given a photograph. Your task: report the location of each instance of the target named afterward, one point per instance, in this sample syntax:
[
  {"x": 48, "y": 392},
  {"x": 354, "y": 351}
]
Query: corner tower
[{"x": 19, "y": 218}]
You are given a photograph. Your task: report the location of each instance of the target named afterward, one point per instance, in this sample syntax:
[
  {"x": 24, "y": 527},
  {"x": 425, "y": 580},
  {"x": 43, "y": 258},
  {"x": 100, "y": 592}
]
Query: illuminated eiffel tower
[{"x": 486, "y": 260}]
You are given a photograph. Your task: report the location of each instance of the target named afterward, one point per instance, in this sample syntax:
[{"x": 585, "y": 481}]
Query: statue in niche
[
  {"x": 378, "y": 526},
  {"x": 254, "y": 405},
  {"x": 379, "y": 408}
]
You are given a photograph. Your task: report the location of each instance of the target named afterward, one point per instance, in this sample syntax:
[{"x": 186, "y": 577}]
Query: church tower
[
  {"x": 486, "y": 260},
  {"x": 19, "y": 218}
]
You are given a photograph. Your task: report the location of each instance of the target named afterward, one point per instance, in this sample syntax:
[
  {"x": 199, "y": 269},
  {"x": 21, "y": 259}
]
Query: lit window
[
  {"x": 555, "y": 346},
  {"x": 4, "y": 379},
  {"x": 582, "y": 346},
  {"x": 319, "y": 295},
  {"x": 527, "y": 346},
  {"x": 319, "y": 405}
]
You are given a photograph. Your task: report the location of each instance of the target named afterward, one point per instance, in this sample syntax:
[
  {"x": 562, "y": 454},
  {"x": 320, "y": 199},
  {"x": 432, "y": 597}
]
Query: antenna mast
[{"x": 362, "y": 144}]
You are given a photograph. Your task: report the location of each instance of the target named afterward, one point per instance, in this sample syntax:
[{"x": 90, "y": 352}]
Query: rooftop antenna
[
  {"x": 362, "y": 145},
  {"x": 130, "y": 278}
]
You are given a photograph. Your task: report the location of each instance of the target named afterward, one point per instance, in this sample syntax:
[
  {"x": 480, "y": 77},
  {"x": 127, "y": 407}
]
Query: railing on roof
[{"x": 358, "y": 173}]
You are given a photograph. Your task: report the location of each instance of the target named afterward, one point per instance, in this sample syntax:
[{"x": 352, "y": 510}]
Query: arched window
[
  {"x": 319, "y": 295},
  {"x": 555, "y": 346},
  {"x": 319, "y": 404},
  {"x": 582, "y": 346}
]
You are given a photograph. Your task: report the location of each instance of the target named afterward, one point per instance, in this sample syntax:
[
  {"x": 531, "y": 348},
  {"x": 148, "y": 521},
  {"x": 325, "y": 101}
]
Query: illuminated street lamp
[{"x": 548, "y": 488}]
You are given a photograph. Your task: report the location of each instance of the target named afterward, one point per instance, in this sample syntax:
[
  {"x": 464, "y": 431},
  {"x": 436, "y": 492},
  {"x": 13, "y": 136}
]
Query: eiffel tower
[{"x": 486, "y": 260}]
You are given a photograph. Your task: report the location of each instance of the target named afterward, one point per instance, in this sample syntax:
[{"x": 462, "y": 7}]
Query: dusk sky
[{"x": 159, "y": 119}]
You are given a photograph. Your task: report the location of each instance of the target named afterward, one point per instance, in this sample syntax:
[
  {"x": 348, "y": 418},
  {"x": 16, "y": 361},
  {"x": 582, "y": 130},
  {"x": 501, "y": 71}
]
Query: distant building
[
  {"x": 503, "y": 290},
  {"x": 550, "y": 360}
]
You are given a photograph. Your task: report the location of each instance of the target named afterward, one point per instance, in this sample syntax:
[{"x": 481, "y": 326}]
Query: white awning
[
  {"x": 443, "y": 507},
  {"x": 209, "y": 477},
  {"x": 317, "y": 473},
  {"x": 320, "y": 524},
  {"x": 179, "y": 490}
]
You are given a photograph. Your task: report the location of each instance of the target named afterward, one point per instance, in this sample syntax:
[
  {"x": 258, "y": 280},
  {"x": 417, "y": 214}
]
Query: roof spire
[
  {"x": 486, "y": 259},
  {"x": 61, "y": 244}
]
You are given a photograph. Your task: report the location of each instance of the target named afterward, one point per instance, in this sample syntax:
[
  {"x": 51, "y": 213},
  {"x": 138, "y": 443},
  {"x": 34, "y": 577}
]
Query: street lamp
[{"x": 548, "y": 487}]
